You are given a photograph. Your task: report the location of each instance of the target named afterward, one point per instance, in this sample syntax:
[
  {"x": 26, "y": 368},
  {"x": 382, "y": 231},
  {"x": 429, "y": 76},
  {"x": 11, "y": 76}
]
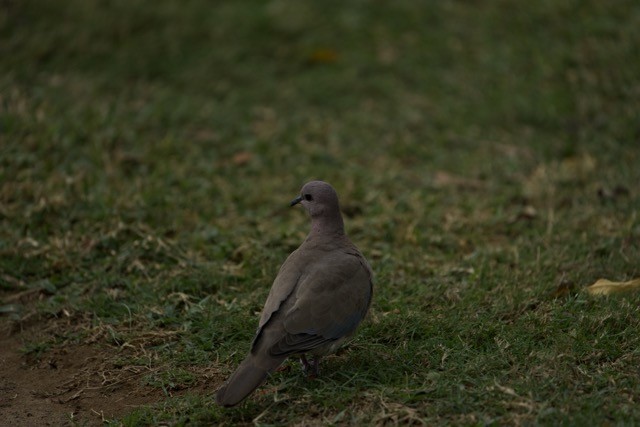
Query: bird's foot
[{"x": 311, "y": 370}]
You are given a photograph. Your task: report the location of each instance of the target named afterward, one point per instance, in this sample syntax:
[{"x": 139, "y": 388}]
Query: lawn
[{"x": 487, "y": 159}]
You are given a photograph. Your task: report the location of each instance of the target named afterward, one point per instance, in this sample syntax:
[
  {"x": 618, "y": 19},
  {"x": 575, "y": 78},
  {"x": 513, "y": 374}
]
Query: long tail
[{"x": 251, "y": 373}]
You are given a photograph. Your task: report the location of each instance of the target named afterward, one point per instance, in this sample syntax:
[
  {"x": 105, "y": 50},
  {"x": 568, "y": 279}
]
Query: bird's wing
[
  {"x": 330, "y": 301},
  {"x": 291, "y": 272}
]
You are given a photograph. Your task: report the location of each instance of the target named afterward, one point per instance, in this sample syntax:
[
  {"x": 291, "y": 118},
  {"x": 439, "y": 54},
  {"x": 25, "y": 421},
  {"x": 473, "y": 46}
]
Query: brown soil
[
  {"x": 62, "y": 386},
  {"x": 74, "y": 381}
]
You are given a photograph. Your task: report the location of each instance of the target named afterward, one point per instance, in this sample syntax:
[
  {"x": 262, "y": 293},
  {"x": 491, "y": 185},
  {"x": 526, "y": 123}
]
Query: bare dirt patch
[
  {"x": 68, "y": 369},
  {"x": 67, "y": 384}
]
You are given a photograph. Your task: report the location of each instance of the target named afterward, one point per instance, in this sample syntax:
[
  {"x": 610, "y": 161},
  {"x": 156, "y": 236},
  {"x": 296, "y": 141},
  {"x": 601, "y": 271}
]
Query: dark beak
[{"x": 296, "y": 201}]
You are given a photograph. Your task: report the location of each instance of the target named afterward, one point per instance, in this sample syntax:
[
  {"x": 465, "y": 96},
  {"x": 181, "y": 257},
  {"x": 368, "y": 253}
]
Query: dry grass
[{"x": 486, "y": 158}]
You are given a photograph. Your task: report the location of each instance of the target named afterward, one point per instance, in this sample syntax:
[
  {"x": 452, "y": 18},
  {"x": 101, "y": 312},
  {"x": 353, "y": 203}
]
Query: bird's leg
[
  {"x": 315, "y": 367},
  {"x": 305, "y": 364}
]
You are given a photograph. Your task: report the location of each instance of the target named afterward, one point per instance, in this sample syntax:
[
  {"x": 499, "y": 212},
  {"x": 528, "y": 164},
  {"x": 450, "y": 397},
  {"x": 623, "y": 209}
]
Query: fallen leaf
[
  {"x": 323, "y": 56},
  {"x": 607, "y": 287},
  {"x": 241, "y": 158}
]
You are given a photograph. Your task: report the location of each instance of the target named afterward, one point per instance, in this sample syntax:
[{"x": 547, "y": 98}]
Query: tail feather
[{"x": 251, "y": 373}]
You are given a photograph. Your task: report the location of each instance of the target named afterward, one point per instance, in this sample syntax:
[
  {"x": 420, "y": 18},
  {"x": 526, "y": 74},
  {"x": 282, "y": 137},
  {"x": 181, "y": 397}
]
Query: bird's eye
[{"x": 308, "y": 197}]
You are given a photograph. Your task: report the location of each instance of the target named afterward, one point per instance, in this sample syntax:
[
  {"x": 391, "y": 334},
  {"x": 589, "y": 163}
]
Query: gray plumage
[{"x": 320, "y": 295}]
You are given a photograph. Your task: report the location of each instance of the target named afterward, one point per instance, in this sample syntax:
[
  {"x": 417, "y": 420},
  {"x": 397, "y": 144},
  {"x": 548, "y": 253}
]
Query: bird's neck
[{"x": 327, "y": 225}]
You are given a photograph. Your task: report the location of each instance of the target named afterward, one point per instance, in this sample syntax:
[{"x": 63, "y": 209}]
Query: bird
[{"x": 320, "y": 295}]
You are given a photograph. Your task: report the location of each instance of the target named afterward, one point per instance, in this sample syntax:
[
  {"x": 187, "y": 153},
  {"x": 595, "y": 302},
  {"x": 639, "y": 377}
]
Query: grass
[{"x": 486, "y": 155}]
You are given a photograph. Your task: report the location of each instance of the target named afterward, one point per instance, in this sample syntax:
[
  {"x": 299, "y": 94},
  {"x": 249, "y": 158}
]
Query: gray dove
[{"x": 320, "y": 295}]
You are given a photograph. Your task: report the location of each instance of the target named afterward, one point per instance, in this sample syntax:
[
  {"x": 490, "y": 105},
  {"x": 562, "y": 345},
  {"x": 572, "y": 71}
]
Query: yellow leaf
[
  {"x": 323, "y": 56},
  {"x": 607, "y": 287}
]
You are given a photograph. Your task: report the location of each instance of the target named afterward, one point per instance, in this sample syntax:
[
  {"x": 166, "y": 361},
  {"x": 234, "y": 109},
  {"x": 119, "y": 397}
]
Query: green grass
[{"x": 486, "y": 155}]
